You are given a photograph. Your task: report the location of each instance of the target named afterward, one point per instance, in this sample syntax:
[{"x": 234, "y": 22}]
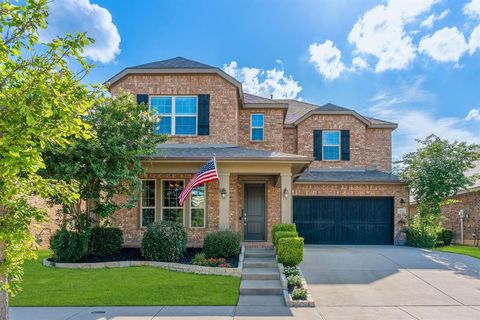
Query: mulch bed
[{"x": 135, "y": 254}]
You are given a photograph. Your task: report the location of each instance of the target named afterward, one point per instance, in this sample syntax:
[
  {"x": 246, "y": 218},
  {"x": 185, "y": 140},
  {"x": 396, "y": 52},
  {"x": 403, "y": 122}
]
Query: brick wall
[
  {"x": 290, "y": 140},
  {"x": 224, "y": 103},
  {"x": 368, "y": 147},
  {"x": 272, "y": 133},
  {"x": 42, "y": 231}
]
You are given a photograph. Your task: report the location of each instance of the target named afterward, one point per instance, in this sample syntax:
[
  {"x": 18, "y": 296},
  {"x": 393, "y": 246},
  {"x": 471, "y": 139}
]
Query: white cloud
[
  {"x": 82, "y": 16},
  {"x": 327, "y": 59},
  {"x": 428, "y": 23},
  {"x": 472, "y": 9},
  {"x": 473, "y": 114},
  {"x": 474, "y": 41},
  {"x": 359, "y": 63},
  {"x": 380, "y": 32},
  {"x": 264, "y": 82},
  {"x": 445, "y": 45}
]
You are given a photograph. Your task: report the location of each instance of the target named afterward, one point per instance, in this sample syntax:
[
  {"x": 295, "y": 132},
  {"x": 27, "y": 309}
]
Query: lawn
[
  {"x": 466, "y": 250},
  {"x": 132, "y": 286}
]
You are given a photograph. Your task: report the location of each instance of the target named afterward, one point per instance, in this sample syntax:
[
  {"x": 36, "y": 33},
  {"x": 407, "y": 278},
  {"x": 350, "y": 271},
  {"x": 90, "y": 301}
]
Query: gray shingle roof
[
  {"x": 173, "y": 151},
  {"x": 250, "y": 98},
  {"x": 297, "y": 109},
  {"x": 174, "y": 63},
  {"x": 348, "y": 175}
]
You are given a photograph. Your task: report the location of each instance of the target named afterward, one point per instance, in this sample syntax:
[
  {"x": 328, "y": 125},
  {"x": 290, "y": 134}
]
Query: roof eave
[
  {"x": 349, "y": 182},
  {"x": 346, "y": 112},
  {"x": 306, "y": 160},
  {"x": 248, "y": 105}
]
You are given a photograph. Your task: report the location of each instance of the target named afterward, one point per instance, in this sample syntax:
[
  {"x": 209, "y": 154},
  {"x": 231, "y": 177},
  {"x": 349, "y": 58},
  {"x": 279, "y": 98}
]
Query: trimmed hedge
[
  {"x": 164, "y": 241},
  {"x": 284, "y": 234},
  {"x": 282, "y": 227},
  {"x": 290, "y": 251},
  {"x": 445, "y": 236},
  {"x": 106, "y": 241},
  {"x": 69, "y": 246},
  {"x": 221, "y": 244}
]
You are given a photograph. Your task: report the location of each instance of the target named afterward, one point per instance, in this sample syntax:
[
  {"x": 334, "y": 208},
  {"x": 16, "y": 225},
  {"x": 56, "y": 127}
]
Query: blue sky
[{"x": 415, "y": 62}]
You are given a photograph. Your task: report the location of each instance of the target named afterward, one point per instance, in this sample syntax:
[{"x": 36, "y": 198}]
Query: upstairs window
[
  {"x": 331, "y": 145},
  {"x": 178, "y": 114},
  {"x": 256, "y": 127}
]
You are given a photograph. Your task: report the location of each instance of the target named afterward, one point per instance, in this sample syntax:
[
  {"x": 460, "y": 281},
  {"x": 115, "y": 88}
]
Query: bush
[
  {"x": 299, "y": 294},
  {"x": 164, "y": 241},
  {"x": 294, "y": 281},
  {"x": 290, "y": 251},
  {"x": 284, "y": 234},
  {"x": 421, "y": 233},
  {"x": 106, "y": 241},
  {"x": 282, "y": 227},
  {"x": 69, "y": 246},
  {"x": 222, "y": 244},
  {"x": 291, "y": 271},
  {"x": 445, "y": 236},
  {"x": 199, "y": 259}
]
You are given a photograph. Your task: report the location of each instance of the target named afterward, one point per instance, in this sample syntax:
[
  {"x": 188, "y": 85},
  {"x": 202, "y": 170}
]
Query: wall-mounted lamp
[
  {"x": 223, "y": 193},
  {"x": 285, "y": 193},
  {"x": 402, "y": 203}
]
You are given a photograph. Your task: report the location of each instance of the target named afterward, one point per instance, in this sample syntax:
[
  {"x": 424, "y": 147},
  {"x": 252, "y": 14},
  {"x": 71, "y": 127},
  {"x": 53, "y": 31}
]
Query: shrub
[
  {"x": 420, "y": 233},
  {"x": 291, "y": 271},
  {"x": 106, "y": 241},
  {"x": 284, "y": 234},
  {"x": 299, "y": 294},
  {"x": 282, "y": 227},
  {"x": 294, "y": 281},
  {"x": 199, "y": 259},
  {"x": 69, "y": 246},
  {"x": 445, "y": 236},
  {"x": 164, "y": 241},
  {"x": 222, "y": 244},
  {"x": 290, "y": 251}
]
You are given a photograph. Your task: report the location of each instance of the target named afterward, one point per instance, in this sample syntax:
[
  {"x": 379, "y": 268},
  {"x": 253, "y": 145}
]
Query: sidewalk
[{"x": 161, "y": 313}]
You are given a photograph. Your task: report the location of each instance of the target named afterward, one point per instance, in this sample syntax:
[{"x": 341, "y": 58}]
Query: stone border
[
  {"x": 189, "y": 268},
  {"x": 309, "y": 303}
]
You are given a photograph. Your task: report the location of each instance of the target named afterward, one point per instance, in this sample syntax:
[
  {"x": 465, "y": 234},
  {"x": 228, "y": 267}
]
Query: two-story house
[{"x": 325, "y": 168}]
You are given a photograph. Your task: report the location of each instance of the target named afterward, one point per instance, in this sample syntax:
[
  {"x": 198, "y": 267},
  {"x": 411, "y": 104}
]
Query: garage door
[{"x": 344, "y": 220}]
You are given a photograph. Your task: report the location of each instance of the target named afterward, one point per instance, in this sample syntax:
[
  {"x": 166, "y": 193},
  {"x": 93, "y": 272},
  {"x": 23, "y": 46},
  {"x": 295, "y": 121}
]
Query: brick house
[{"x": 326, "y": 168}]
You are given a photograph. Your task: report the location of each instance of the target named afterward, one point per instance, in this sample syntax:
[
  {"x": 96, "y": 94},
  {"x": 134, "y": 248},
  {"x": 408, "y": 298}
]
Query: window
[
  {"x": 331, "y": 145},
  {"x": 171, "y": 209},
  {"x": 197, "y": 207},
  {"x": 147, "y": 205},
  {"x": 256, "y": 125},
  {"x": 178, "y": 115}
]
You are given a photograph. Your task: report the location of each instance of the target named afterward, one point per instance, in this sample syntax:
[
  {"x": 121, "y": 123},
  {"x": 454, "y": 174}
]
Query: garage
[{"x": 344, "y": 220}]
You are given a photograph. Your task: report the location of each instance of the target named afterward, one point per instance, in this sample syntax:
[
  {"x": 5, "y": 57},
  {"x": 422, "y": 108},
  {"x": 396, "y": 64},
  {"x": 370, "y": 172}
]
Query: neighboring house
[{"x": 326, "y": 168}]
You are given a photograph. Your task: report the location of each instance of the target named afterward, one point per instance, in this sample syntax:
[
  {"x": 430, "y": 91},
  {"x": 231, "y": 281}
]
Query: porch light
[
  {"x": 285, "y": 193},
  {"x": 402, "y": 203},
  {"x": 223, "y": 193}
]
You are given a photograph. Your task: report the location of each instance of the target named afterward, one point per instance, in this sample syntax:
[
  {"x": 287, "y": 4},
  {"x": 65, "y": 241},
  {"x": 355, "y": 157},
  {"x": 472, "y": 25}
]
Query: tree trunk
[{"x": 3, "y": 293}]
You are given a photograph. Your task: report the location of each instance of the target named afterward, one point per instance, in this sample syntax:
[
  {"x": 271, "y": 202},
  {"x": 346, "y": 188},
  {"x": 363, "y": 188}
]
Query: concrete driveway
[{"x": 386, "y": 282}]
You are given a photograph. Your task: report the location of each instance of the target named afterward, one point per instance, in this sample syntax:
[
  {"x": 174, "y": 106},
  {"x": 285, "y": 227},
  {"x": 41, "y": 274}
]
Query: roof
[
  {"x": 173, "y": 151},
  {"x": 348, "y": 175},
  {"x": 253, "y": 101},
  {"x": 174, "y": 63}
]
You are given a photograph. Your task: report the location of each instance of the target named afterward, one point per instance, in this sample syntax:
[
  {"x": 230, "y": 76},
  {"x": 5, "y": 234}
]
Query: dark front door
[
  {"x": 254, "y": 211},
  {"x": 344, "y": 220}
]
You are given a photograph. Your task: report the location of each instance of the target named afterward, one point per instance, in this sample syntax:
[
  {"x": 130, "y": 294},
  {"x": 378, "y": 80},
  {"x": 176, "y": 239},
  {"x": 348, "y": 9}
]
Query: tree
[
  {"x": 42, "y": 102},
  {"x": 107, "y": 166},
  {"x": 435, "y": 172}
]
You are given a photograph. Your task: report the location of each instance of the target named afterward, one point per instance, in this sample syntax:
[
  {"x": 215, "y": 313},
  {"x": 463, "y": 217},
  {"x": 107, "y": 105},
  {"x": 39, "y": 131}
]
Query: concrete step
[
  {"x": 259, "y": 300},
  {"x": 260, "y": 274},
  {"x": 259, "y": 253},
  {"x": 260, "y": 287},
  {"x": 259, "y": 263}
]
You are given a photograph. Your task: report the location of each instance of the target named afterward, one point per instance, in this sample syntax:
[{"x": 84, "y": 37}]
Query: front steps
[{"x": 260, "y": 284}]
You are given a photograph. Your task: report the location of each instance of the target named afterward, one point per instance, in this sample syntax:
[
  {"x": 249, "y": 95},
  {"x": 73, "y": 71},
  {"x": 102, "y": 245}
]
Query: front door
[{"x": 254, "y": 211}]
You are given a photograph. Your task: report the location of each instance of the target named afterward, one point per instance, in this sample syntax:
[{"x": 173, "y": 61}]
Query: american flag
[{"x": 206, "y": 174}]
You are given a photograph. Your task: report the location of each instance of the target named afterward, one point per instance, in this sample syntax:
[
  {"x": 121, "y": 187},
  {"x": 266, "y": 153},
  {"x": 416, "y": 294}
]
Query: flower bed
[{"x": 295, "y": 289}]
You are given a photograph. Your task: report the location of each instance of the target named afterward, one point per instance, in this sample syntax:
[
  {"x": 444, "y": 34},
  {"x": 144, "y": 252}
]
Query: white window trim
[
  {"x": 155, "y": 203},
  {"x": 161, "y": 200},
  {"x": 332, "y": 145},
  {"x": 257, "y": 127},
  {"x": 204, "y": 209},
  {"x": 173, "y": 115}
]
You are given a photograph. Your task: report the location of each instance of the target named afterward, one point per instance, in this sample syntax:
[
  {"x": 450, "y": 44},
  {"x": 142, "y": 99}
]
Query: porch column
[
  {"x": 286, "y": 203},
  {"x": 224, "y": 204}
]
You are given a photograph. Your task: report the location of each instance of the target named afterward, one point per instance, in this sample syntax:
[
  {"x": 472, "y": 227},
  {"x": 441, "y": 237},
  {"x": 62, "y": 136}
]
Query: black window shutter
[
  {"x": 345, "y": 145},
  {"x": 203, "y": 114},
  {"x": 142, "y": 98},
  {"x": 317, "y": 144}
]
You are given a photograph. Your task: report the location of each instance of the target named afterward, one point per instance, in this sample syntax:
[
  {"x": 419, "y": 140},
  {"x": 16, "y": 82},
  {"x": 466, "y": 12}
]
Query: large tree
[
  {"x": 435, "y": 172},
  {"x": 42, "y": 103}
]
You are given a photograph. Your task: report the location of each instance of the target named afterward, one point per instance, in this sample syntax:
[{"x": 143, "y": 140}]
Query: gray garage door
[{"x": 344, "y": 220}]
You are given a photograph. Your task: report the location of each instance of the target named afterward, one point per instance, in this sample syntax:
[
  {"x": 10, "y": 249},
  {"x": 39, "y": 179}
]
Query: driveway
[{"x": 386, "y": 282}]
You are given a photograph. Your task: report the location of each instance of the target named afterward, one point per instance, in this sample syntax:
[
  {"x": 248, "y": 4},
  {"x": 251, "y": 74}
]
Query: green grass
[
  {"x": 466, "y": 250},
  {"x": 132, "y": 286}
]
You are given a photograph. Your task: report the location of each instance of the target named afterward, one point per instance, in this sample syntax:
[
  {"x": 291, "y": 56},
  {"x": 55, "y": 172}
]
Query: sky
[{"x": 413, "y": 62}]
